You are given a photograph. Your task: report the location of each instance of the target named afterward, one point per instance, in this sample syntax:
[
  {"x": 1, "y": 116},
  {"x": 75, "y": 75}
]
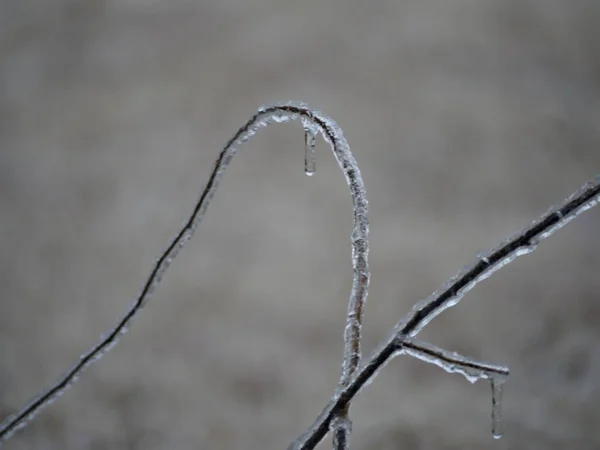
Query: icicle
[
  {"x": 309, "y": 154},
  {"x": 497, "y": 384},
  {"x": 310, "y": 138}
]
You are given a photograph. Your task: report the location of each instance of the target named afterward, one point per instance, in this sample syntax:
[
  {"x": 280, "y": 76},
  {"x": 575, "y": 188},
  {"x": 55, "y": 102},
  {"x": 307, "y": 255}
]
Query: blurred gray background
[{"x": 469, "y": 118}]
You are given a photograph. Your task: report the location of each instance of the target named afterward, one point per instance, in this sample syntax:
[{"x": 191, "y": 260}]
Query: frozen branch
[
  {"x": 449, "y": 295},
  {"x": 452, "y": 362},
  {"x": 313, "y": 122},
  {"x": 471, "y": 369},
  {"x": 355, "y": 373}
]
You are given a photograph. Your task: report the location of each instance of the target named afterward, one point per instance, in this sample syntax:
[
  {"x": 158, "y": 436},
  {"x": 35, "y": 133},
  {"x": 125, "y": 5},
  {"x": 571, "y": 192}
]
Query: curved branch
[{"x": 278, "y": 113}]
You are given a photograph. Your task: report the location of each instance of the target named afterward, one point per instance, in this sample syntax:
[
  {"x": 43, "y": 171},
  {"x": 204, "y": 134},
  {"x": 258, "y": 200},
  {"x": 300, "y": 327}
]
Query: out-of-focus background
[{"x": 468, "y": 119}]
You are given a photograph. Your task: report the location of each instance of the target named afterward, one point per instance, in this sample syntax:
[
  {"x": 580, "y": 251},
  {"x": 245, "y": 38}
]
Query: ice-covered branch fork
[
  {"x": 355, "y": 374},
  {"x": 401, "y": 341}
]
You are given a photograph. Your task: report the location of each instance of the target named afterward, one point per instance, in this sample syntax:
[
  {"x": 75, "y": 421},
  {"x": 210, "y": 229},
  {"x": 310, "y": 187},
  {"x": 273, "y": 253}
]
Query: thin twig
[
  {"x": 449, "y": 295},
  {"x": 278, "y": 113},
  {"x": 452, "y": 362}
]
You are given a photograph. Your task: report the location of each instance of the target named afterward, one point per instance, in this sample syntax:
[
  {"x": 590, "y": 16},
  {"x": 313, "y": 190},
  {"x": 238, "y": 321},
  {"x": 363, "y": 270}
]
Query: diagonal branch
[
  {"x": 313, "y": 122},
  {"x": 449, "y": 295}
]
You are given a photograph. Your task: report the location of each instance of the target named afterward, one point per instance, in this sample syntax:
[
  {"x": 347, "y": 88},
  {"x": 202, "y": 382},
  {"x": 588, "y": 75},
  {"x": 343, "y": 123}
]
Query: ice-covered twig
[
  {"x": 520, "y": 244},
  {"x": 449, "y": 295},
  {"x": 401, "y": 340},
  {"x": 313, "y": 122},
  {"x": 471, "y": 369},
  {"x": 452, "y": 362}
]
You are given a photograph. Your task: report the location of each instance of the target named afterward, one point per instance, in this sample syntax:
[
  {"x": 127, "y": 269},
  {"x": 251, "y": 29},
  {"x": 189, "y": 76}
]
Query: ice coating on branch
[
  {"x": 520, "y": 244},
  {"x": 453, "y": 290},
  {"x": 316, "y": 122},
  {"x": 341, "y": 428},
  {"x": 448, "y": 295},
  {"x": 313, "y": 122},
  {"x": 566, "y": 216},
  {"x": 353, "y": 377},
  {"x": 375, "y": 368},
  {"x": 453, "y": 362},
  {"x": 21, "y": 419},
  {"x": 471, "y": 369}
]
